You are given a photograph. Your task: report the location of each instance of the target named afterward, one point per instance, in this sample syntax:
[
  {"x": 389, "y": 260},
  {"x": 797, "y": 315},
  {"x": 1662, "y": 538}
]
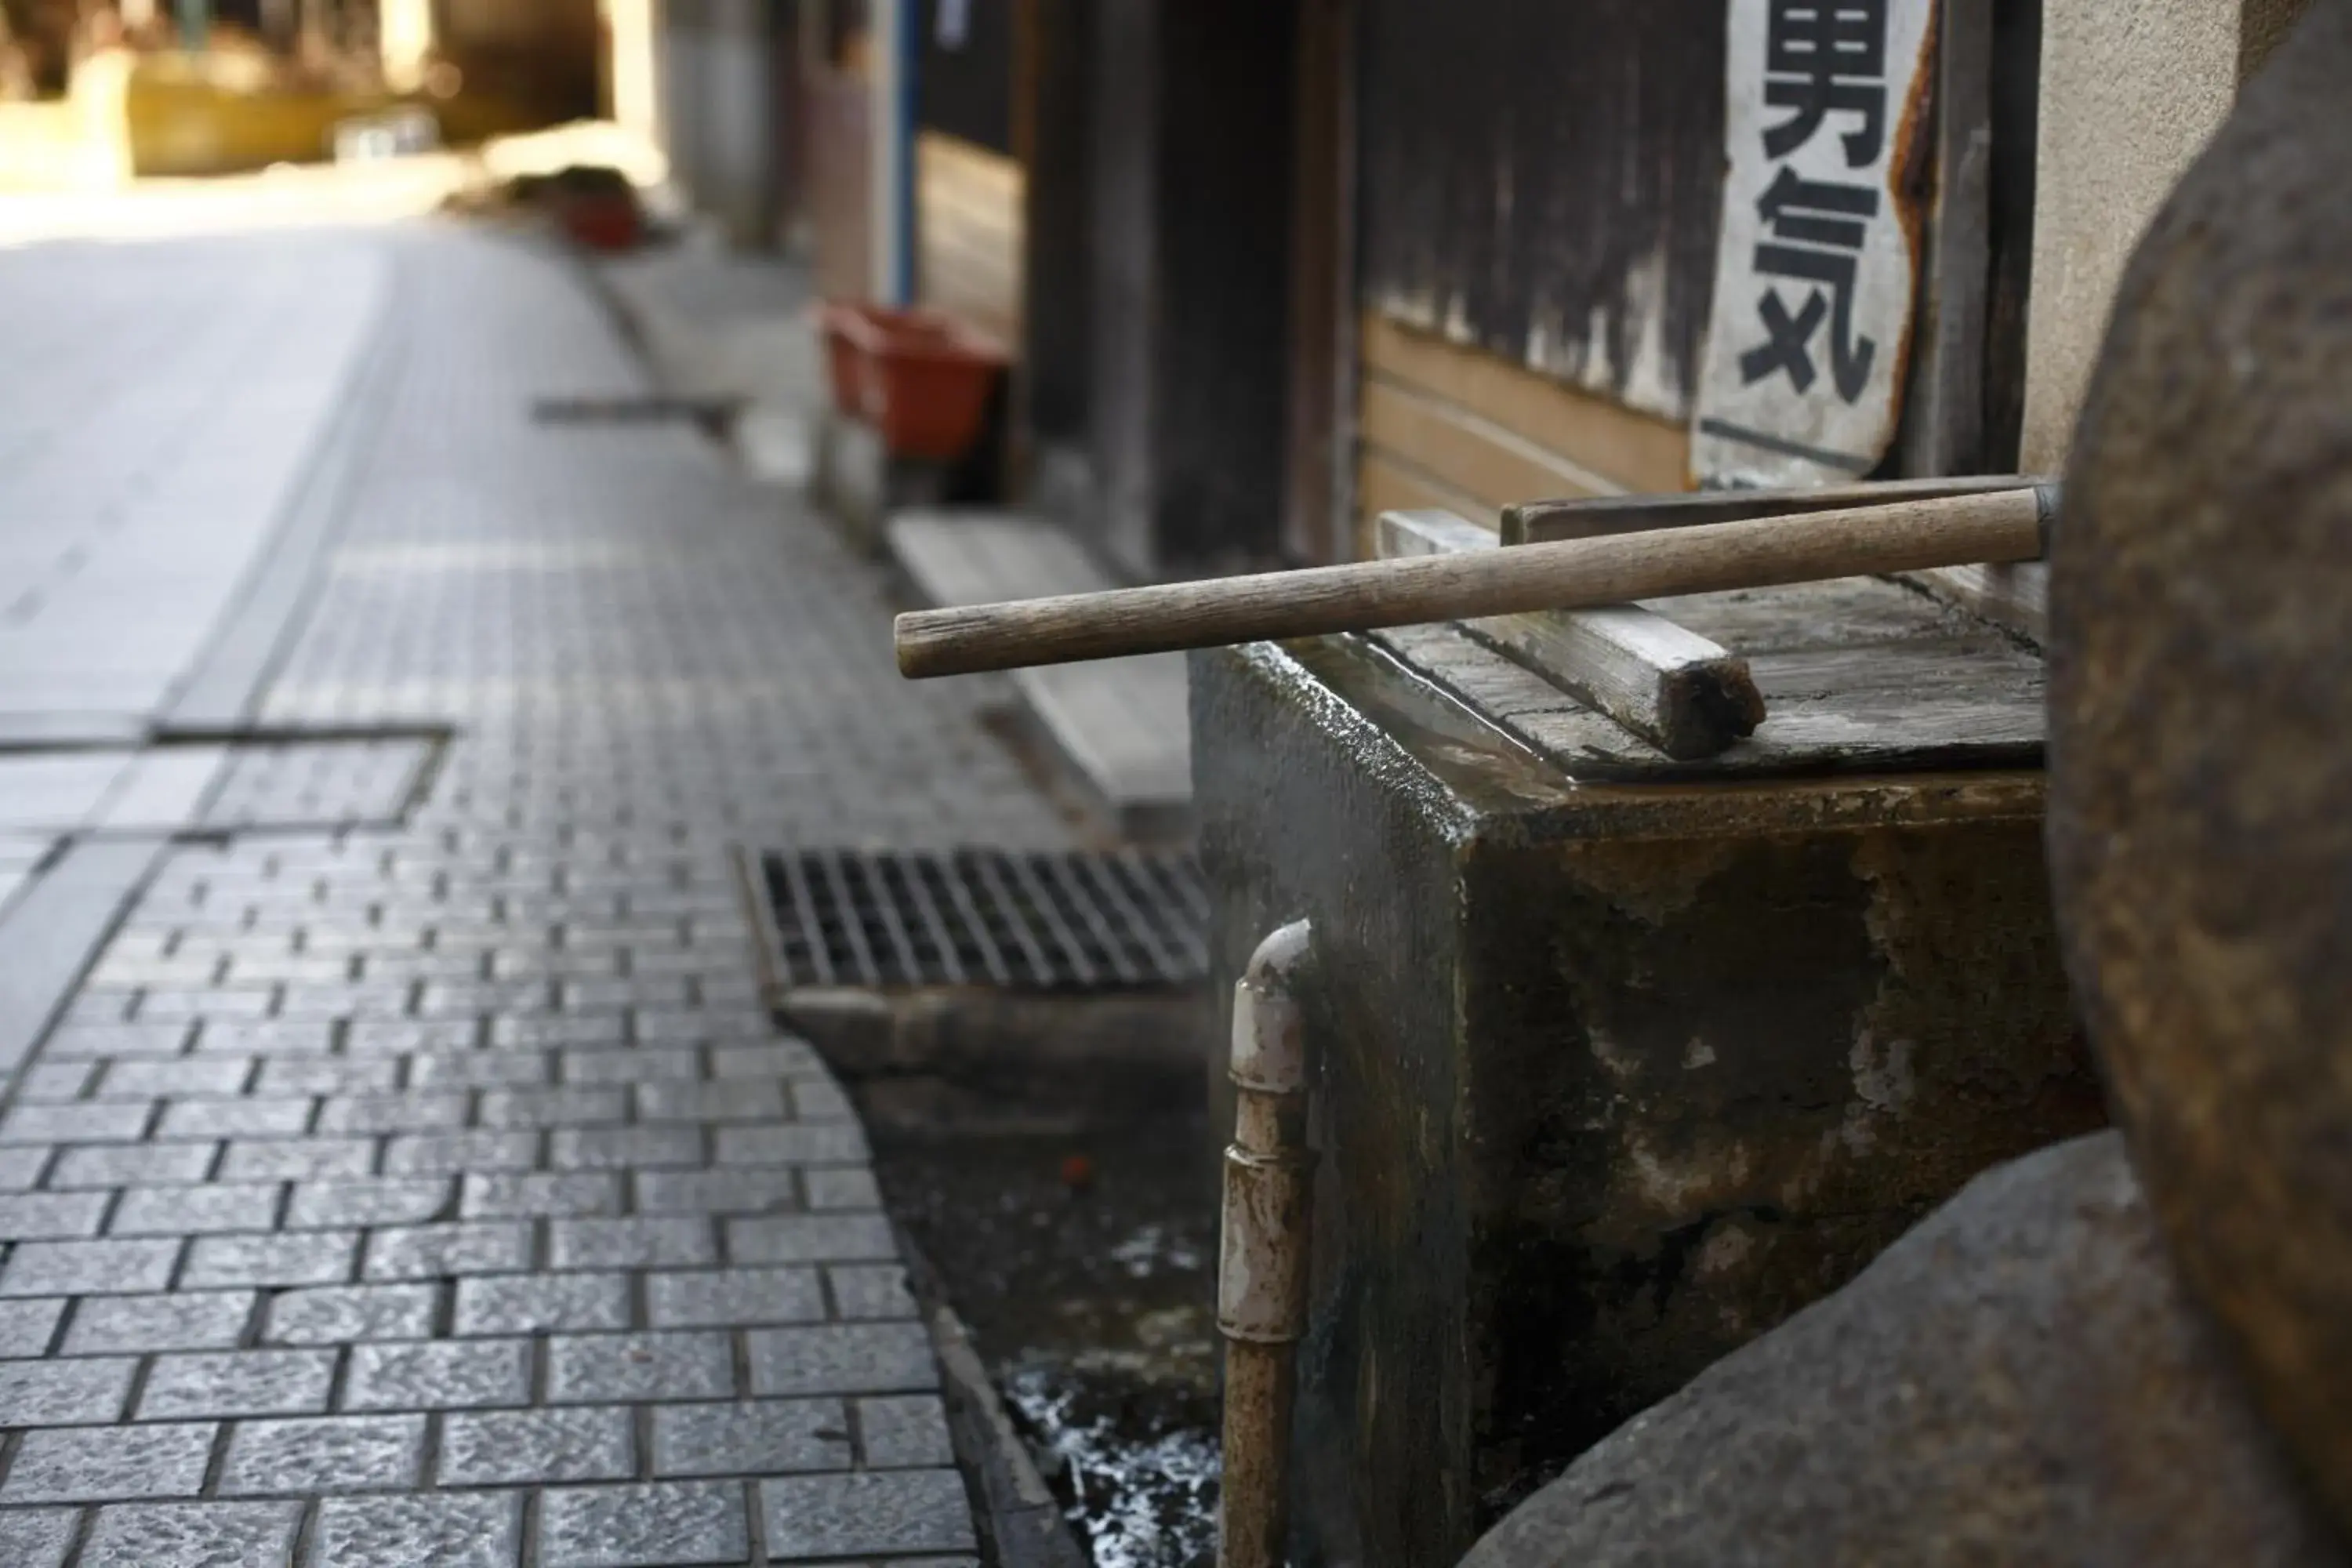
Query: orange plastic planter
[{"x": 922, "y": 379}]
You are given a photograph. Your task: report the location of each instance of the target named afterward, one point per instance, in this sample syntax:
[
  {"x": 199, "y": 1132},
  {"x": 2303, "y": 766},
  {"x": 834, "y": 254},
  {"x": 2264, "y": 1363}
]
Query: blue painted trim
[{"x": 911, "y": 16}]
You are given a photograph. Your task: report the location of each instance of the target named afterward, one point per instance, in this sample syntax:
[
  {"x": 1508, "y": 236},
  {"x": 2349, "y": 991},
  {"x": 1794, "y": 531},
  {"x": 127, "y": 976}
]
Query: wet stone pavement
[{"x": 435, "y": 1190}]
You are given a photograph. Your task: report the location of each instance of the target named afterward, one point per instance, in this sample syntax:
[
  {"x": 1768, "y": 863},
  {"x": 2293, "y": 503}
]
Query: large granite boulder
[
  {"x": 2019, "y": 1380},
  {"x": 2200, "y": 818}
]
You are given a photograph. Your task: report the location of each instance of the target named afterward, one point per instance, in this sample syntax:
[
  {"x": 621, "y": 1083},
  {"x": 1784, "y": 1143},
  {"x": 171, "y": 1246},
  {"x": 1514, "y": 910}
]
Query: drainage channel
[{"x": 1021, "y": 1033}]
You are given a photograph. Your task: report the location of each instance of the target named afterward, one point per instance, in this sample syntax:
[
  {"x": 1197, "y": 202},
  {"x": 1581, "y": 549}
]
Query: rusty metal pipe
[{"x": 1262, "y": 1262}]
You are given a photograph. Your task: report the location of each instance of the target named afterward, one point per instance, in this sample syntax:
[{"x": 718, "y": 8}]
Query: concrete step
[{"x": 1121, "y": 725}]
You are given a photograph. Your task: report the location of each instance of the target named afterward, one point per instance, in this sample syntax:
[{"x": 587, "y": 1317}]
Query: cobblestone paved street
[{"x": 435, "y": 1190}]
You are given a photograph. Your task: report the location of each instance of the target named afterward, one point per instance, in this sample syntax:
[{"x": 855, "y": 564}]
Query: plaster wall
[{"x": 2130, "y": 94}]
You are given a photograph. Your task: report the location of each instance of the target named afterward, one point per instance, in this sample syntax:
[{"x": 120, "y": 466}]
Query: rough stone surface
[
  {"x": 762, "y": 1436},
  {"x": 191, "y": 1320},
  {"x": 862, "y": 1358},
  {"x": 339, "y": 1453},
  {"x": 671, "y": 1524},
  {"x": 589, "y": 1444},
  {"x": 481, "y": 1530},
  {"x": 2018, "y": 1380},
  {"x": 99, "y": 1464},
  {"x": 439, "y": 1375},
  {"x": 237, "y": 1382},
  {"x": 592, "y": 1368},
  {"x": 2201, "y": 580},
  {"x": 905, "y": 1511},
  {"x": 36, "y": 1538},
  {"x": 63, "y": 1392},
  {"x": 194, "y": 1535}
]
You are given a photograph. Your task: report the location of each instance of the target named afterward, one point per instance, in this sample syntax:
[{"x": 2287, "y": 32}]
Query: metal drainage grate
[{"x": 1077, "y": 921}]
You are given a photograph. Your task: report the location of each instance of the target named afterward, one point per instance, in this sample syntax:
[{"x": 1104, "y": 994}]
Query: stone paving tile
[
  {"x": 151, "y": 1078},
  {"x": 237, "y": 1382},
  {"x": 619, "y": 1148},
  {"x": 811, "y": 1238},
  {"x": 192, "y": 1210},
  {"x": 237, "y": 1118},
  {"x": 906, "y": 1432},
  {"x": 534, "y": 1447},
  {"x": 328, "y": 1075},
  {"x": 193, "y": 1535},
  {"x": 332, "y": 1454},
  {"x": 753, "y": 1437},
  {"x": 274, "y": 1036},
  {"x": 51, "y": 1217},
  {"x": 867, "y": 1515},
  {"x": 749, "y": 1101},
  {"x": 303, "y": 1258},
  {"x": 85, "y": 1121},
  {"x": 854, "y": 1358},
  {"x": 106, "y": 1464},
  {"x": 675, "y": 1524},
  {"x": 511, "y": 1195},
  {"x": 298, "y": 1159},
  {"x": 38, "y": 1537},
  {"x": 45, "y": 1082},
  {"x": 870, "y": 1291},
  {"x": 673, "y": 1241},
  {"x": 541, "y": 1303},
  {"x": 438, "y": 1374},
  {"x": 716, "y": 1192},
  {"x": 72, "y": 1041},
  {"x": 415, "y": 1112},
  {"x": 27, "y": 1328},
  {"x": 734, "y": 1298},
  {"x": 775, "y": 1059},
  {"x": 130, "y": 1325},
  {"x": 481, "y": 1530},
  {"x": 444, "y": 1251},
  {"x": 126, "y": 1164},
  {"x": 63, "y": 1393},
  {"x": 89, "y": 1267},
  {"x": 369, "y": 1201},
  {"x": 802, "y": 1143},
  {"x": 20, "y": 1169},
  {"x": 596, "y": 1369},
  {"x": 351, "y": 1314},
  {"x": 450, "y": 1153},
  {"x": 487, "y": 1068},
  {"x": 644, "y": 1064}
]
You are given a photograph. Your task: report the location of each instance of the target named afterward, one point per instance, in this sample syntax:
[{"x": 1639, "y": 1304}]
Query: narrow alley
[{"x": 415, "y": 1173}]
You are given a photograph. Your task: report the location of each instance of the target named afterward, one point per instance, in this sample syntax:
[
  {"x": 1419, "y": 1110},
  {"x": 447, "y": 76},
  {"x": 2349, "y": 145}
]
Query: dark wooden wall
[
  {"x": 967, "y": 91},
  {"x": 1055, "y": 358},
  {"x": 1545, "y": 181},
  {"x": 1190, "y": 108}
]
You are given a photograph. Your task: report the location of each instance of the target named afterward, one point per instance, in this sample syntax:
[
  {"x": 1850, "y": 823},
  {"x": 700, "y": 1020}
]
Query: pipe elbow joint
[{"x": 1269, "y": 1045}]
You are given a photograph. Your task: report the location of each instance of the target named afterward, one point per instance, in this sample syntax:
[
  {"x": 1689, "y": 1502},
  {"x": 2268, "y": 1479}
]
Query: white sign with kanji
[{"x": 1816, "y": 282}]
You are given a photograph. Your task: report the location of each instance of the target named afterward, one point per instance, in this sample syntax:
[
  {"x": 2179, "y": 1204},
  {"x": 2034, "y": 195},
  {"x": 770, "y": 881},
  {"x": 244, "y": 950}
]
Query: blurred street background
[{"x": 432, "y": 601}]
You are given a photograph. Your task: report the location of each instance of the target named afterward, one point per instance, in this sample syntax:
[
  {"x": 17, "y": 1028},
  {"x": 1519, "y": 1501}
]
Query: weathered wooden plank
[
  {"x": 1857, "y": 676},
  {"x": 1629, "y": 450},
  {"x": 1545, "y": 522},
  {"x": 1544, "y": 182},
  {"x": 1684, "y": 694}
]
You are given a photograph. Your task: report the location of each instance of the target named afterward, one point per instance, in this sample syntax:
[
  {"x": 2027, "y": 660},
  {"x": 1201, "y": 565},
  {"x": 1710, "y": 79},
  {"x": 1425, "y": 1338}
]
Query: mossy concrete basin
[{"x": 1614, "y": 1075}]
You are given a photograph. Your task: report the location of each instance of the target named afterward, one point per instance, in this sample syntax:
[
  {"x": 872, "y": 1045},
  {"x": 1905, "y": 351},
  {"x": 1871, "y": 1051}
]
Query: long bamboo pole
[{"x": 1907, "y": 536}]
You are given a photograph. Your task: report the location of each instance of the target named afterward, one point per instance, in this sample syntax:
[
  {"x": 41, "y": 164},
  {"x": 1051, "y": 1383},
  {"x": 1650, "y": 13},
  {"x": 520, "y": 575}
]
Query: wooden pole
[{"x": 1907, "y": 536}]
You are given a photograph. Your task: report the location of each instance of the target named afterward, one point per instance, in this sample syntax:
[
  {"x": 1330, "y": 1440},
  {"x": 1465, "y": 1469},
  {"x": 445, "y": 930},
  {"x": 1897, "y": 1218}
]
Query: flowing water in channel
[{"x": 1084, "y": 1265}]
